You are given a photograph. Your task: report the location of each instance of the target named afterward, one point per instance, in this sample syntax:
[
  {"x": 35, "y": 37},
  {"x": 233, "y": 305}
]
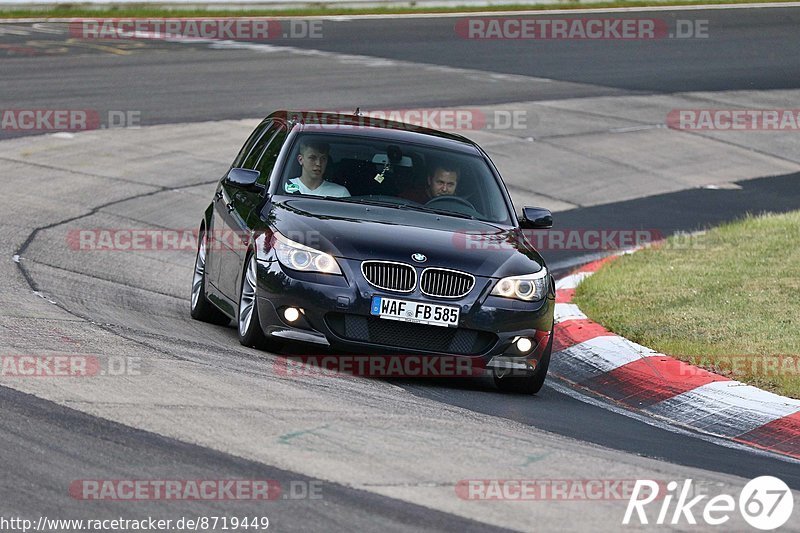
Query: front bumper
[{"x": 335, "y": 312}]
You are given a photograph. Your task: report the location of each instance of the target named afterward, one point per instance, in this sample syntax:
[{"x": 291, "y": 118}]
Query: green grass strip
[{"x": 727, "y": 300}]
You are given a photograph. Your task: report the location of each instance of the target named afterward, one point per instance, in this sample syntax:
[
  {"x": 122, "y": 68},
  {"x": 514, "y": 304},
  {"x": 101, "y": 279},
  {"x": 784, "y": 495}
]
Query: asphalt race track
[
  {"x": 387, "y": 454},
  {"x": 745, "y": 50}
]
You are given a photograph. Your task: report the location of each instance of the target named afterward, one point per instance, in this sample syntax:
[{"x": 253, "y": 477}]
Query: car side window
[
  {"x": 250, "y": 143},
  {"x": 254, "y": 156},
  {"x": 269, "y": 156}
]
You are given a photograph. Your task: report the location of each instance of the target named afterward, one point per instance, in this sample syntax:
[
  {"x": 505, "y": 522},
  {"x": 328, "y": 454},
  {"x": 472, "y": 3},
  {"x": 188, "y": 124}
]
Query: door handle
[
  {"x": 230, "y": 207},
  {"x": 218, "y": 196}
]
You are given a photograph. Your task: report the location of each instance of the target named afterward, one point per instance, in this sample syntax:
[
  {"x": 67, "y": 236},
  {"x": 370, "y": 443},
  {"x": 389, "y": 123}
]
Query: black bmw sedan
[{"x": 370, "y": 236}]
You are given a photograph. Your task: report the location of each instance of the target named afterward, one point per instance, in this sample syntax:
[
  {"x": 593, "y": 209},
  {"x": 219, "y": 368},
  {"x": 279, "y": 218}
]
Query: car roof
[{"x": 344, "y": 124}]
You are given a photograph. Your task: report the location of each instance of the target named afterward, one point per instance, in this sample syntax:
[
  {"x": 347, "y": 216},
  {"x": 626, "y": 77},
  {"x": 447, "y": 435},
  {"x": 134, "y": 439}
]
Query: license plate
[{"x": 417, "y": 312}]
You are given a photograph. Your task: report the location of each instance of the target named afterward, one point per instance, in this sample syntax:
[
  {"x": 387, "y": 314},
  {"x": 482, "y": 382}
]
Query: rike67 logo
[{"x": 765, "y": 503}]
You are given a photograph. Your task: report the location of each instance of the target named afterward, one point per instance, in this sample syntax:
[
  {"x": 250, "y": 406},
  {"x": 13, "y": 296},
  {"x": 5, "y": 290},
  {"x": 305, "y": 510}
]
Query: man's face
[
  {"x": 442, "y": 183},
  {"x": 313, "y": 163}
]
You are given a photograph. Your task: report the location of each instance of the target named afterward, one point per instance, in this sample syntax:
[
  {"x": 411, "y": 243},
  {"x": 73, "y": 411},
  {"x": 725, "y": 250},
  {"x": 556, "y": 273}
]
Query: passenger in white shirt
[{"x": 313, "y": 159}]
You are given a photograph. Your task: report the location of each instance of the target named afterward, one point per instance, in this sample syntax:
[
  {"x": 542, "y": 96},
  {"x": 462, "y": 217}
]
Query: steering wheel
[{"x": 454, "y": 199}]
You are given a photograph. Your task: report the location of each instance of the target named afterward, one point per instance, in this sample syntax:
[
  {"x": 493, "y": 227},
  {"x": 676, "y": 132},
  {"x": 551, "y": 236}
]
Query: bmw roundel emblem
[{"x": 419, "y": 258}]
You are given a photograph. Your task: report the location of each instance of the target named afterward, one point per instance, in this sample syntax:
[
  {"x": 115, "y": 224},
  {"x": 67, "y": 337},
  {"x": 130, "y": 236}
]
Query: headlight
[
  {"x": 530, "y": 287},
  {"x": 300, "y": 257}
]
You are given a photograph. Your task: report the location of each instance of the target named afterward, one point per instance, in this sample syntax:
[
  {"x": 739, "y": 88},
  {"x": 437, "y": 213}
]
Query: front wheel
[
  {"x": 201, "y": 308},
  {"x": 249, "y": 326},
  {"x": 530, "y": 382}
]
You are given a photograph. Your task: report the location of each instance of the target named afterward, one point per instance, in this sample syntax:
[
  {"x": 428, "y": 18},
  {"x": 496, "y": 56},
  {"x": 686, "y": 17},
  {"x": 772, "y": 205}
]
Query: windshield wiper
[
  {"x": 353, "y": 200},
  {"x": 413, "y": 207},
  {"x": 437, "y": 211}
]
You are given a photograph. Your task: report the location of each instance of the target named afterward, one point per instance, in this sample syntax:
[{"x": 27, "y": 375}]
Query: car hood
[{"x": 361, "y": 232}]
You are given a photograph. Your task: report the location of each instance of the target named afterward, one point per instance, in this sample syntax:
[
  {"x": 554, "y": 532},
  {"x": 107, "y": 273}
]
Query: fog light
[
  {"x": 524, "y": 345},
  {"x": 291, "y": 314}
]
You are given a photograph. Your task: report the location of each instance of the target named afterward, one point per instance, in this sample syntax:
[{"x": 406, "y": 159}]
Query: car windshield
[{"x": 394, "y": 174}]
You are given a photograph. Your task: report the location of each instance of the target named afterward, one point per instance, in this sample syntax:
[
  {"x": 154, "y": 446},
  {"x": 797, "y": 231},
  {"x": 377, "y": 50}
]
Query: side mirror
[
  {"x": 536, "y": 218},
  {"x": 242, "y": 177}
]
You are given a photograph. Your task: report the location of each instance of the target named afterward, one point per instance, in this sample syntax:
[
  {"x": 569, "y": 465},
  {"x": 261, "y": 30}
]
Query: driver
[
  {"x": 313, "y": 159},
  {"x": 443, "y": 181}
]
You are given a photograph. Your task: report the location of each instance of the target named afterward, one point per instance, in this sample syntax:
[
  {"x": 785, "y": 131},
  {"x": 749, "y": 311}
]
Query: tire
[
  {"x": 248, "y": 324},
  {"x": 200, "y": 308},
  {"x": 530, "y": 383}
]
